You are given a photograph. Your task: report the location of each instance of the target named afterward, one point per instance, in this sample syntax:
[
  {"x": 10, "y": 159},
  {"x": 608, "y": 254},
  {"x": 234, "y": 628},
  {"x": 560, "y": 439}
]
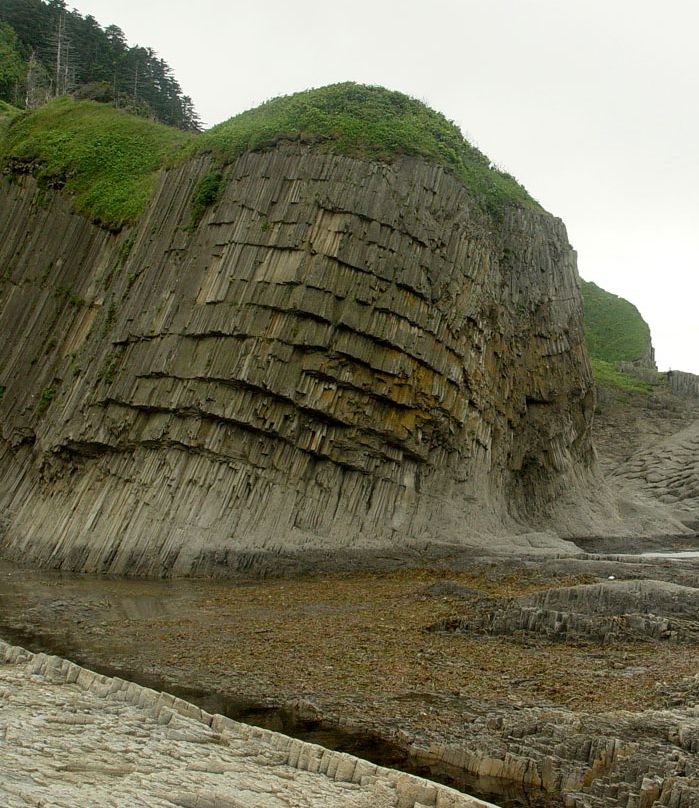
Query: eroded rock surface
[
  {"x": 669, "y": 472},
  {"x": 574, "y": 723},
  {"x": 71, "y": 738},
  {"x": 342, "y": 355},
  {"x": 619, "y": 759}
]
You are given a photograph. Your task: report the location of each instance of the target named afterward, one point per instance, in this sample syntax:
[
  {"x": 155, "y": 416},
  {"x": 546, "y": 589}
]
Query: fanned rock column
[{"x": 342, "y": 356}]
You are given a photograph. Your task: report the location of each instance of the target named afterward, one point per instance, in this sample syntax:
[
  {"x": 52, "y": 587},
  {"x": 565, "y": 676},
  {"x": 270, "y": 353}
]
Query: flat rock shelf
[{"x": 70, "y": 737}]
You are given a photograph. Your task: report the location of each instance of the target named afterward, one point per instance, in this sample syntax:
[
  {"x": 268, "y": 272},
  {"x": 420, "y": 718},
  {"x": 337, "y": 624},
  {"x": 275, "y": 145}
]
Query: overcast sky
[{"x": 591, "y": 104}]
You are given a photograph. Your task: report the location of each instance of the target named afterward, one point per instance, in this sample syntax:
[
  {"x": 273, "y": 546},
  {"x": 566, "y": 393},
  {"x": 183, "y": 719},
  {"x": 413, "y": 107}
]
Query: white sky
[{"x": 591, "y": 104}]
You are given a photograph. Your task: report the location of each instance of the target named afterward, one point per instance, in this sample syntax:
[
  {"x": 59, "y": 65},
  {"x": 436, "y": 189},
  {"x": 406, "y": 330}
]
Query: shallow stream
[{"x": 364, "y": 745}]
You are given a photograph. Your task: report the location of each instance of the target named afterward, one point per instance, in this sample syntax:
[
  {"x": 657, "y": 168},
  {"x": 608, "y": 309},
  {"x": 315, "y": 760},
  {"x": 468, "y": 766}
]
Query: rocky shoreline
[
  {"x": 72, "y": 737},
  {"x": 529, "y": 718}
]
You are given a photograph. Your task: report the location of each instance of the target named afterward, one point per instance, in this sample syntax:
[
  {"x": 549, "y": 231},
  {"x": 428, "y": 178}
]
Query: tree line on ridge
[{"x": 47, "y": 50}]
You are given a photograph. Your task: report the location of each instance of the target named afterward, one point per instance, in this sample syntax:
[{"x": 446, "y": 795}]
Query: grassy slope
[
  {"x": 614, "y": 328},
  {"x": 607, "y": 375},
  {"x": 8, "y": 109},
  {"x": 615, "y": 332},
  {"x": 366, "y": 122},
  {"x": 107, "y": 160}
]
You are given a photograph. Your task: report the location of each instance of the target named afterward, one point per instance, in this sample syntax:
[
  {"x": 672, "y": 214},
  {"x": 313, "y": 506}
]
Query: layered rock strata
[
  {"x": 608, "y": 612},
  {"x": 622, "y": 759},
  {"x": 342, "y": 355}
]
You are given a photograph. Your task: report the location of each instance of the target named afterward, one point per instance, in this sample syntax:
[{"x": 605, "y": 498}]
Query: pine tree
[
  {"x": 80, "y": 57},
  {"x": 13, "y": 67}
]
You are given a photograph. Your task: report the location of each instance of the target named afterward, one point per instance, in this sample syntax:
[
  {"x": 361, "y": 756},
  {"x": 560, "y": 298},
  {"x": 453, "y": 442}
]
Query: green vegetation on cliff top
[
  {"x": 370, "y": 123},
  {"x": 615, "y": 332},
  {"x": 105, "y": 159},
  {"x": 108, "y": 159}
]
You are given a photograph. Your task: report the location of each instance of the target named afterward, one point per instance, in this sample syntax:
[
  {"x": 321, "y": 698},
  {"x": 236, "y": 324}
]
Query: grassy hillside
[
  {"x": 366, "y": 122},
  {"x": 615, "y": 332},
  {"x": 106, "y": 159},
  {"x": 7, "y": 111},
  {"x": 614, "y": 328}
]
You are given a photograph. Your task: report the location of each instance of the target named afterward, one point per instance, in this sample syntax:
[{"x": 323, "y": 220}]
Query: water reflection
[
  {"x": 675, "y": 554},
  {"x": 368, "y": 746}
]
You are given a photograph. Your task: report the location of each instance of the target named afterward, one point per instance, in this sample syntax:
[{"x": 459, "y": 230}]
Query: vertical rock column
[{"x": 342, "y": 356}]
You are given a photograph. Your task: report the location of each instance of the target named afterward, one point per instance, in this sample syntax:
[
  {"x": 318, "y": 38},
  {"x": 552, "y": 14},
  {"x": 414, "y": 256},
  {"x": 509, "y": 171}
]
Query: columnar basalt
[
  {"x": 342, "y": 354},
  {"x": 684, "y": 384},
  {"x": 140, "y": 746}
]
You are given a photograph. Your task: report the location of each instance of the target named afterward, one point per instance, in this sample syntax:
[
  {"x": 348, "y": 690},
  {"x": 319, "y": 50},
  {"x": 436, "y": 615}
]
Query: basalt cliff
[{"x": 339, "y": 355}]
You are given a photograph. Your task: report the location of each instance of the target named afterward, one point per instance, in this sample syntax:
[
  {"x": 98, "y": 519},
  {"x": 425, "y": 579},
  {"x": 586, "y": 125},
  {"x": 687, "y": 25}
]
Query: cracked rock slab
[{"x": 71, "y": 738}]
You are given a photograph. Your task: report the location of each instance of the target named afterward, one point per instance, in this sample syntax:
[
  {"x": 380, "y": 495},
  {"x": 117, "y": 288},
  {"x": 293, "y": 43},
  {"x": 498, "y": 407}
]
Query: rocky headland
[
  {"x": 290, "y": 357},
  {"x": 282, "y": 349}
]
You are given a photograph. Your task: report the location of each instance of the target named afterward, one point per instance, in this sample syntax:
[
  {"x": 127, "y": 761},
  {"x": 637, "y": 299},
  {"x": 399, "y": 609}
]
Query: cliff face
[{"x": 341, "y": 355}]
